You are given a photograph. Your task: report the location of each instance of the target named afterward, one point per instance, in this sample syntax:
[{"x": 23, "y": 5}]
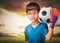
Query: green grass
[
  {"x": 54, "y": 40},
  {"x": 20, "y": 39}
]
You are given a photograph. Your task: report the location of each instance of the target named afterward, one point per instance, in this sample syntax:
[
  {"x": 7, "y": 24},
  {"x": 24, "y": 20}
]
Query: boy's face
[{"x": 32, "y": 15}]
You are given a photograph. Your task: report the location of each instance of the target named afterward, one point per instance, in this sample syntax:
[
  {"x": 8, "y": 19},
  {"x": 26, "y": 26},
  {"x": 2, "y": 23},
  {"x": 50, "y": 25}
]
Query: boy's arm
[
  {"x": 53, "y": 19},
  {"x": 49, "y": 34}
]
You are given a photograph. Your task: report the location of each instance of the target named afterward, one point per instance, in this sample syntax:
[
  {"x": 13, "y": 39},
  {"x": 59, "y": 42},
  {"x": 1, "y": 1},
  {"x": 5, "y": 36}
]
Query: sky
[{"x": 19, "y": 5}]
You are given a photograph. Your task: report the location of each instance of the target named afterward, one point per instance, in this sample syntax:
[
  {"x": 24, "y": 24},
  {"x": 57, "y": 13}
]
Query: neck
[{"x": 35, "y": 23}]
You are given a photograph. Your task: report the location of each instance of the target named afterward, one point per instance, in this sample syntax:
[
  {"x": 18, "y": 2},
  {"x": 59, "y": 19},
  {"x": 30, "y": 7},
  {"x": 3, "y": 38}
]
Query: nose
[{"x": 32, "y": 15}]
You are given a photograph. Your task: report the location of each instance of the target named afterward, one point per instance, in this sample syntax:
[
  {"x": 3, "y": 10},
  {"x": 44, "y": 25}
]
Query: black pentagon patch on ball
[
  {"x": 44, "y": 13},
  {"x": 48, "y": 21}
]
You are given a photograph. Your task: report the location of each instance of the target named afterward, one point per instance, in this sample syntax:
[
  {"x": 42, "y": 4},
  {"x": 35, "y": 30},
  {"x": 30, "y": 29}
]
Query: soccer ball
[{"x": 44, "y": 14}]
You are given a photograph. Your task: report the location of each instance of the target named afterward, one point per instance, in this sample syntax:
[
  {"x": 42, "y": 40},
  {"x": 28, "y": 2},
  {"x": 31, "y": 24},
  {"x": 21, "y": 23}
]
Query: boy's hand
[
  {"x": 53, "y": 18},
  {"x": 26, "y": 42}
]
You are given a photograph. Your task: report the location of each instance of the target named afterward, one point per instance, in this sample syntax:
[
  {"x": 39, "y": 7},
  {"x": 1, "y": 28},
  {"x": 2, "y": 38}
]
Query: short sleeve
[{"x": 25, "y": 32}]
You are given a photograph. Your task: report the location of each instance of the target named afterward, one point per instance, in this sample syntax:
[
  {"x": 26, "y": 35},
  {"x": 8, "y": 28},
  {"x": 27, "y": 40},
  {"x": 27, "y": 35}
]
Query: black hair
[{"x": 32, "y": 6}]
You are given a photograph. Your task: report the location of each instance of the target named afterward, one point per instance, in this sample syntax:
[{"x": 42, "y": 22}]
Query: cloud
[
  {"x": 11, "y": 4},
  {"x": 19, "y": 5},
  {"x": 11, "y": 23}
]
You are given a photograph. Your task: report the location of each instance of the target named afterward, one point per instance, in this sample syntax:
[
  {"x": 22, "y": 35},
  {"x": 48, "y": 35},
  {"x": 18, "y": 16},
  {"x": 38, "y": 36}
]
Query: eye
[
  {"x": 35, "y": 12},
  {"x": 29, "y": 13}
]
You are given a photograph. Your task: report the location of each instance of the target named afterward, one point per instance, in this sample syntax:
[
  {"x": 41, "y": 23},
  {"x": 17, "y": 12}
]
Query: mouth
[{"x": 32, "y": 18}]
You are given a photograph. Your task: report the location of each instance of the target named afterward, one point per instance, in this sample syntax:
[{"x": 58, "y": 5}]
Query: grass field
[
  {"x": 20, "y": 39},
  {"x": 54, "y": 40}
]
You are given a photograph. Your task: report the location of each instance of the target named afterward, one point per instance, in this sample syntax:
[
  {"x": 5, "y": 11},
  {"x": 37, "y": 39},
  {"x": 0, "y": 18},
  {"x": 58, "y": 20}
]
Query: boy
[{"x": 36, "y": 32}]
